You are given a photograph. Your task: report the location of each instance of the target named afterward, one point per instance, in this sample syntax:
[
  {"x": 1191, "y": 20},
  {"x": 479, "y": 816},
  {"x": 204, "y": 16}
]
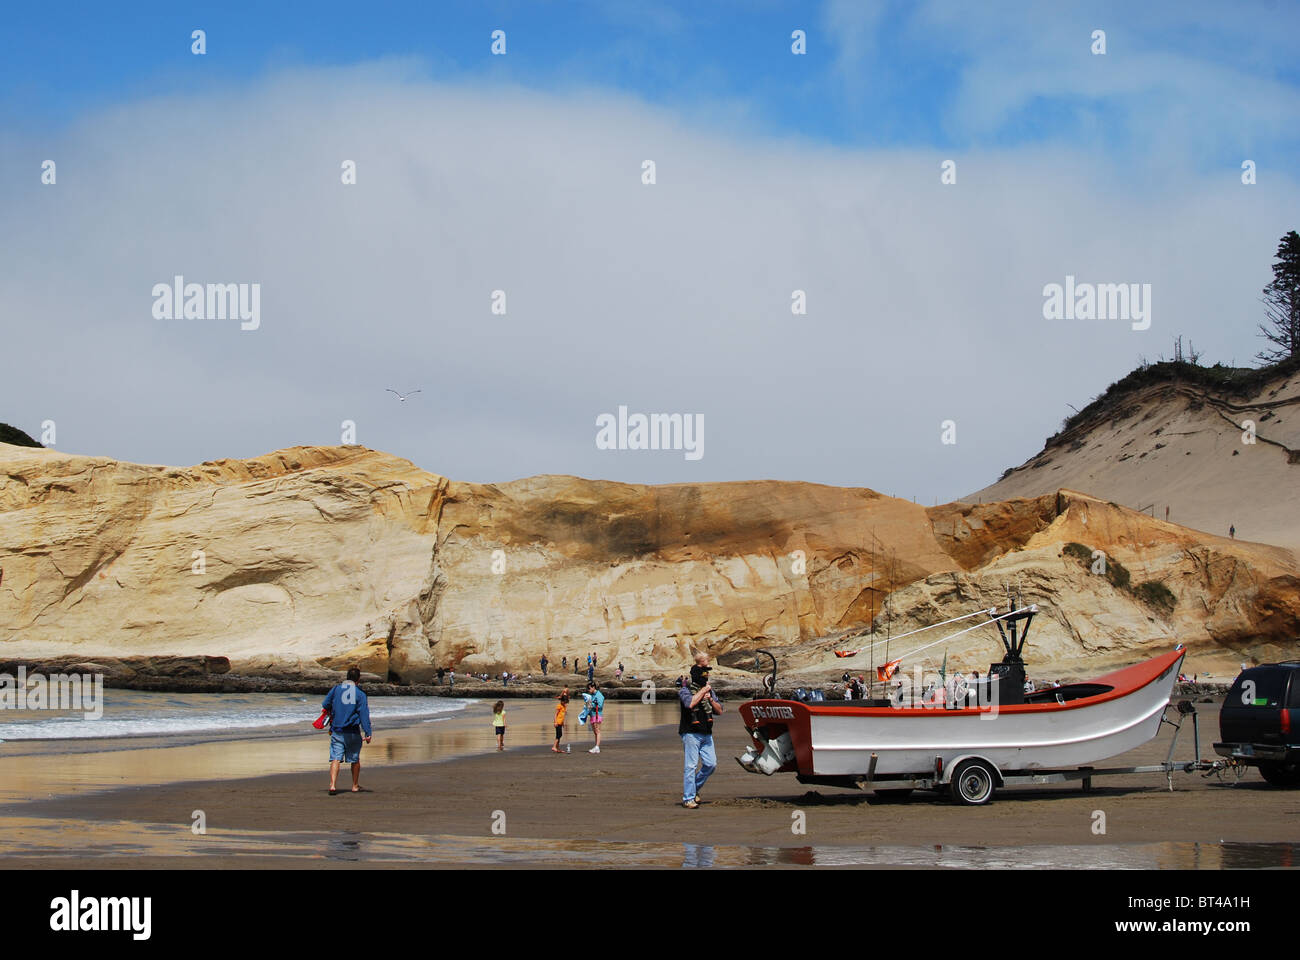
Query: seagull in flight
[{"x": 400, "y": 396}]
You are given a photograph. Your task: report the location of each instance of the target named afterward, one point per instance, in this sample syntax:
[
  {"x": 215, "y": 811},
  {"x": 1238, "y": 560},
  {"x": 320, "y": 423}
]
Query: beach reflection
[
  {"x": 35, "y": 770},
  {"x": 50, "y": 838}
]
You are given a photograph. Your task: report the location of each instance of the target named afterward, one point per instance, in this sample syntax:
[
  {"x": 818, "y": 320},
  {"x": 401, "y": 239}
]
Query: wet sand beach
[{"x": 530, "y": 807}]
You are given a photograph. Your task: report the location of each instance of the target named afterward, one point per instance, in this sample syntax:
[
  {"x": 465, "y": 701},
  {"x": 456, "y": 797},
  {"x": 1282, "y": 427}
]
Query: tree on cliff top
[
  {"x": 1282, "y": 304},
  {"x": 15, "y": 436}
]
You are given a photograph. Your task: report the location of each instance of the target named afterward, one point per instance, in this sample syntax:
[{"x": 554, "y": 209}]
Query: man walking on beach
[
  {"x": 349, "y": 719},
  {"x": 699, "y": 704}
]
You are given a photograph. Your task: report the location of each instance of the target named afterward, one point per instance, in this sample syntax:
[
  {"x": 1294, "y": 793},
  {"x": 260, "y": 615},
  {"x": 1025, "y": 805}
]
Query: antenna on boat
[{"x": 889, "y": 608}]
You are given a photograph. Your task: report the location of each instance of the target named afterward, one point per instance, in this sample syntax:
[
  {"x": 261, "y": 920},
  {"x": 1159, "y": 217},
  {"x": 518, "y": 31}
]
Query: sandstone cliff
[{"x": 301, "y": 561}]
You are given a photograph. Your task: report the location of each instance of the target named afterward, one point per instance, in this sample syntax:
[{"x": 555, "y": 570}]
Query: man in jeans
[
  {"x": 349, "y": 718},
  {"x": 699, "y": 704}
]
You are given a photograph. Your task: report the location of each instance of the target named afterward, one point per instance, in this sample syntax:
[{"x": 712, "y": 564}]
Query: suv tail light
[{"x": 1286, "y": 720}]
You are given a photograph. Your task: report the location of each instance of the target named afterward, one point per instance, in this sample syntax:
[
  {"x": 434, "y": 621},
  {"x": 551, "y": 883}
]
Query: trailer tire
[{"x": 973, "y": 783}]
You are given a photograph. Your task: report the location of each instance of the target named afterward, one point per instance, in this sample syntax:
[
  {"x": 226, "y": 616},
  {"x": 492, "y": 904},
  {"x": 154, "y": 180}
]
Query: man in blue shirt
[
  {"x": 349, "y": 719},
  {"x": 699, "y": 704}
]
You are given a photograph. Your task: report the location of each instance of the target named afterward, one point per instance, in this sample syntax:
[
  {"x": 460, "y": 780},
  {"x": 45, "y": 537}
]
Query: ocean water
[
  {"x": 190, "y": 716},
  {"x": 156, "y": 738}
]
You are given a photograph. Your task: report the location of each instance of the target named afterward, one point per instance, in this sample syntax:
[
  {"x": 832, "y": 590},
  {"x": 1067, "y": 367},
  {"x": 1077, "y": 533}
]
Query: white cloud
[{"x": 924, "y": 300}]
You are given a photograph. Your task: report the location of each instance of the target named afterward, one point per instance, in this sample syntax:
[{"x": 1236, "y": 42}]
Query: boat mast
[
  {"x": 889, "y": 606},
  {"x": 871, "y": 588}
]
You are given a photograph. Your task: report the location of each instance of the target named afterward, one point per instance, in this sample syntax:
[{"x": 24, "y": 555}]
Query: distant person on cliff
[
  {"x": 545, "y": 663},
  {"x": 595, "y": 712},
  {"x": 349, "y": 719},
  {"x": 591, "y": 671},
  {"x": 699, "y": 704},
  {"x": 564, "y": 664},
  {"x": 499, "y": 723},
  {"x": 561, "y": 708},
  {"x": 1232, "y": 532}
]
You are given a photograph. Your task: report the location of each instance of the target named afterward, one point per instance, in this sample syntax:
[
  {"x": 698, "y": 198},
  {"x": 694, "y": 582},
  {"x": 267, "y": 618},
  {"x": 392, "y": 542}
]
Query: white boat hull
[{"x": 842, "y": 741}]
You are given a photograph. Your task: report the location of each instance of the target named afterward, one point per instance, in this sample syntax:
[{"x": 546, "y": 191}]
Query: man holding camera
[{"x": 699, "y": 704}]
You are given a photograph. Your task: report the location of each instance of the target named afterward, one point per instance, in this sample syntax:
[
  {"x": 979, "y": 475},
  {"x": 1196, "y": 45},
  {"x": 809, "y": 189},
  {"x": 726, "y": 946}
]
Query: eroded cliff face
[
  {"x": 279, "y": 562},
  {"x": 1228, "y": 601},
  {"x": 302, "y": 561}
]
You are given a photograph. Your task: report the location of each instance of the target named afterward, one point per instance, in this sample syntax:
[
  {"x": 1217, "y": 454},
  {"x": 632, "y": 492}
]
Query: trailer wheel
[
  {"x": 973, "y": 783},
  {"x": 1281, "y": 774}
]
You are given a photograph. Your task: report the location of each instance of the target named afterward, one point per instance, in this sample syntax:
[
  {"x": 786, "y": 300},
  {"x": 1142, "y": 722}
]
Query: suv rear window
[{"x": 1260, "y": 687}]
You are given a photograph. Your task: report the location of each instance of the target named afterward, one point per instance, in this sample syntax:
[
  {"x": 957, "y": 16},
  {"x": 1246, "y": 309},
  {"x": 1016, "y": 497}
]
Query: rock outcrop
[{"x": 297, "y": 563}]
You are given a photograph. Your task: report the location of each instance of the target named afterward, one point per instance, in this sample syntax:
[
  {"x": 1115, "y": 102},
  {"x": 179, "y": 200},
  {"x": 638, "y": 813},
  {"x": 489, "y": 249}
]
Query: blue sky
[
  {"x": 523, "y": 173},
  {"x": 931, "y": 74}
]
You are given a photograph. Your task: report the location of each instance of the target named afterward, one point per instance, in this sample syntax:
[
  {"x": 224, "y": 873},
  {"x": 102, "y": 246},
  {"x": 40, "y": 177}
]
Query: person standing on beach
[
  {"x": 591, "y": 670},
  {"x": 545, "y": 663},
  {"x": 561, "y": 708},
  {"x": 699, "y": 704},
  {"x": 595, "y": 712},
  {"x": 564, "y": 664},
  {"x": 499, "y": 722},
  {"x": 349, "y": 719}
]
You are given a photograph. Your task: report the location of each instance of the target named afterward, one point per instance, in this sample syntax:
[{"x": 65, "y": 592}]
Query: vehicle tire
[
  {"x": 1281, "y": 774},
  {"x": 973, "y": 783},
  {"x": 893, "y": 796}
]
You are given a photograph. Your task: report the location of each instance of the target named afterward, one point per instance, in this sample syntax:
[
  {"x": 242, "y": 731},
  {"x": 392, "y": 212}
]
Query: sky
[{"x": 923, "y": 366}]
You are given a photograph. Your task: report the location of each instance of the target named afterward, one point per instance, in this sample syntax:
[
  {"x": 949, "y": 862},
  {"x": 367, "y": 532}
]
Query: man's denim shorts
[{"x": 345, "y": 745}]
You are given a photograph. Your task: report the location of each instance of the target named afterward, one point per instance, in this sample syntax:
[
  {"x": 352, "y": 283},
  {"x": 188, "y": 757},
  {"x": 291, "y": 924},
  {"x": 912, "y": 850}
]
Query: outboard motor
[
  {"x": 768, "y": 758},
  {"x": 775, "y": 755}
]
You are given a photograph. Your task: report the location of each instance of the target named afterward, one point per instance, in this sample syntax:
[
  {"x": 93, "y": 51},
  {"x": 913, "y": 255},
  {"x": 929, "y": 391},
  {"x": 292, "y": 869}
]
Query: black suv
[{"x": 1260, "y": 721}]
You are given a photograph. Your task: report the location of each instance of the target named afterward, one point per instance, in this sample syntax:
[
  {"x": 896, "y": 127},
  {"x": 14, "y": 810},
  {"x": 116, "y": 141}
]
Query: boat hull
[{"x": 833, "y": 741}]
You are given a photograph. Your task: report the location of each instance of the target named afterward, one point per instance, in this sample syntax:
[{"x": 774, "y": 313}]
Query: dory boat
[{"x": 972, "y": 744}]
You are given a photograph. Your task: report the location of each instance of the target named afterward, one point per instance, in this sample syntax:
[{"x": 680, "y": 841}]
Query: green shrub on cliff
[
  {"x": 15, "y": 436},
  {"x": 1151, "y": 592},
  {"x": 1079, "y": 552},
  {"x": 1155, "y": 594}
]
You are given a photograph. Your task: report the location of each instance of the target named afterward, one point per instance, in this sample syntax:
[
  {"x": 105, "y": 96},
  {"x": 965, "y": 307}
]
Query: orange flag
[{"x": 887, "y": 670}]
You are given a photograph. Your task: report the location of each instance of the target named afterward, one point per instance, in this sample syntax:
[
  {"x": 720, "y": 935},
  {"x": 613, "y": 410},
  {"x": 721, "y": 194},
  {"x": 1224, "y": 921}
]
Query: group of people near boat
[{"x": 348, "y": 709}]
